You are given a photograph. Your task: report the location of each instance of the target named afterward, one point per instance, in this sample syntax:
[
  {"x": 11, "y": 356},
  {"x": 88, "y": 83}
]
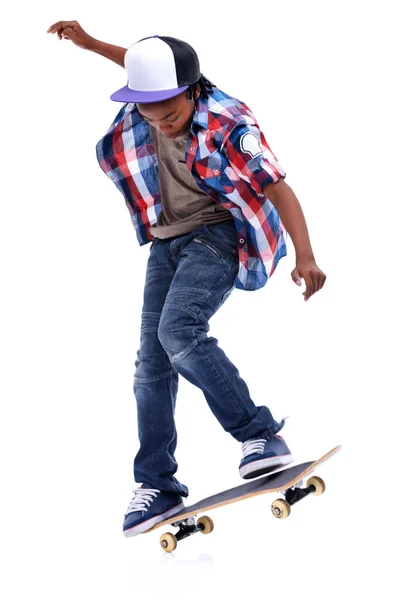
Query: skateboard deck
[{"x": 288, "y": 481}]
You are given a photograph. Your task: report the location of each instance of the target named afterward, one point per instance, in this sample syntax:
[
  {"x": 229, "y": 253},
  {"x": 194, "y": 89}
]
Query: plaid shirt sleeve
[{"x": 250, "y": 157}]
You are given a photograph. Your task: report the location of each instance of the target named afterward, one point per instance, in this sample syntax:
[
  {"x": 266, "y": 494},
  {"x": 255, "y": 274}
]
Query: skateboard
[{"x": 287, "y": 481}]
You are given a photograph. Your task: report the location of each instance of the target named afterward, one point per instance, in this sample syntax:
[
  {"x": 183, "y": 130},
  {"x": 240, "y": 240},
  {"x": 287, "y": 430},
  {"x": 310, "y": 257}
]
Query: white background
[{"x": 322, "y": 79}]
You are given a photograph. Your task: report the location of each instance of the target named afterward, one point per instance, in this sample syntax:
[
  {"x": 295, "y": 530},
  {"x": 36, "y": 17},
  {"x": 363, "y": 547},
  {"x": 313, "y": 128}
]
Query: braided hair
[{"x": 206, "y": 88}]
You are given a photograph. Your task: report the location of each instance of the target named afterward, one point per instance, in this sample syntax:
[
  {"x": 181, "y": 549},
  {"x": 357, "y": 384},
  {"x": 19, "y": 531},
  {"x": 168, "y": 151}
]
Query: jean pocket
[
  {"x": 223, "y": 235},
  {"x": 210, "y": 247}
]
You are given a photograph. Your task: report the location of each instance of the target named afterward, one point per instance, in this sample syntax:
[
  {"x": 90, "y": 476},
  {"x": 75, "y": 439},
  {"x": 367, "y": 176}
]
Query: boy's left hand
[{"x": 312, "y": 275}]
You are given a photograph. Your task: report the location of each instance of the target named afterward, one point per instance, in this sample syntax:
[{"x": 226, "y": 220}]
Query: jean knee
[
  {"x": 152, "y": 362},
  {"x": 177, "y": 334}
]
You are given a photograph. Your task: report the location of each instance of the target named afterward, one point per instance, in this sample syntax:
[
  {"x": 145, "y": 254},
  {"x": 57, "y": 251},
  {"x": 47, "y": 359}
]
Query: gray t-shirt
[{"x": 184, "y": 205}]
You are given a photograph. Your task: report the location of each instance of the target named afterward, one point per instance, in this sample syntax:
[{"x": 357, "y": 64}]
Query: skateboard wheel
[
  {"x": 280, "y": 509},
  {"x": 168, "y": 542},
  {"x": 319, "y": 485},
  {"x": 205, "y": 524}
]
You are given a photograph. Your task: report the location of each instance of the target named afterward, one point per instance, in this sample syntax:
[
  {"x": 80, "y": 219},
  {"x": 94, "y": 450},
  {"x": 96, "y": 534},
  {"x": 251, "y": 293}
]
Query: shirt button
[
  {"x": 241, "y": 241},
  {"x": 192, "y": 149},
  {"x": 216, "y": 171}
]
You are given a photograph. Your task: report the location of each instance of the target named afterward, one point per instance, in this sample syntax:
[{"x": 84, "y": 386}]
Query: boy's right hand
[{"x": 71, "y": 30}]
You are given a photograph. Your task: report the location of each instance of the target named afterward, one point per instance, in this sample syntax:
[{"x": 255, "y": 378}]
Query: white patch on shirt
[{"x": 250, "y": 144}]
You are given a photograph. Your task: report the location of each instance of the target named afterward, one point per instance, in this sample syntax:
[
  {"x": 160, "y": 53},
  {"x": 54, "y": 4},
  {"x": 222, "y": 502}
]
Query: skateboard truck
[
  {"x": 281, "y": 508},
  {"x": 187, "y": 527}
]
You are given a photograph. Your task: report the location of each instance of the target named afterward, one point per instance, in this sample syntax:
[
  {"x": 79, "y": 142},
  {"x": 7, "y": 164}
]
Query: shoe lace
[
  {"x": 141, "y": 500},
  {"x": 253, "y": 447}
]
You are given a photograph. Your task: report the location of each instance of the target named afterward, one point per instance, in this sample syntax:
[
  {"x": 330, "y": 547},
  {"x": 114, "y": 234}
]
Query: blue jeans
[{"x": 188, "y": 279}]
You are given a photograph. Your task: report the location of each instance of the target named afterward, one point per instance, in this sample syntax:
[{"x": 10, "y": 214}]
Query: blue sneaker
[
  {"x": 149, "y": 507},
  {"x": 263, "y": 456}
]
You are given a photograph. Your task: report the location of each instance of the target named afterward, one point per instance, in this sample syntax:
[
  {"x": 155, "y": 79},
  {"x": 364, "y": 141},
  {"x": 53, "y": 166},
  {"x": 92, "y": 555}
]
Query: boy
[{"x": 202, "y": 185}]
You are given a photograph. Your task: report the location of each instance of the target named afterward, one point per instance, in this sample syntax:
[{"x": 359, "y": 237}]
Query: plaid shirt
[{"x": 229, "y": 159}]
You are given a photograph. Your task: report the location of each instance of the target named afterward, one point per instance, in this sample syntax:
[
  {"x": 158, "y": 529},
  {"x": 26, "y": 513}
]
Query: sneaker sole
[
  {"x": 145, "y": 525},
  {"x": 263, "y": 466}
]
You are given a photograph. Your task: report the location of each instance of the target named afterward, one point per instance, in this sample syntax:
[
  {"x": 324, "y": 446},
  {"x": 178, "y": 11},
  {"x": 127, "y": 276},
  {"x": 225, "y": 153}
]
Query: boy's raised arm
[{"x": 71, "y": 30}]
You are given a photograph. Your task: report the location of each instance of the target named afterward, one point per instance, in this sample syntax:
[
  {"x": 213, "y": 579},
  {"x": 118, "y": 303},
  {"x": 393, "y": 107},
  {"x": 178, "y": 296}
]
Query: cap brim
[{"x": 125, "y": 94}]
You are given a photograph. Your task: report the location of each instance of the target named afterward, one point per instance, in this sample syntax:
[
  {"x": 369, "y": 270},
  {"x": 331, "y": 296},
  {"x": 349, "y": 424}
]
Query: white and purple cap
[{"x": 158, "y": 68}]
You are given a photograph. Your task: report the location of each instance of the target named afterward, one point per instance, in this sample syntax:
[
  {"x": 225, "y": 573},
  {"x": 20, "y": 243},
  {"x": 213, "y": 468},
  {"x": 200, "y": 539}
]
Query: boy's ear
[{"x": 196, "y": 94}]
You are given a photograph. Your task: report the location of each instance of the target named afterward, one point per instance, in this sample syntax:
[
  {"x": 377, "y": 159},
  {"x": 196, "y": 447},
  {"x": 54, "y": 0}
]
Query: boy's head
[{"x": 164, "y": 77}]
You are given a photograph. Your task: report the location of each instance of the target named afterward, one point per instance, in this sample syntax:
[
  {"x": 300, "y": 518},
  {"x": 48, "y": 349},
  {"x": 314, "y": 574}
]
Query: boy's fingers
[
  {"x": 296, "y": 277},
  {"x": 55, "y": 27},
  {"x": 309, "y": 287},
  {"x": 66, "y": 33},
  {"x": 60, "y": 25}
]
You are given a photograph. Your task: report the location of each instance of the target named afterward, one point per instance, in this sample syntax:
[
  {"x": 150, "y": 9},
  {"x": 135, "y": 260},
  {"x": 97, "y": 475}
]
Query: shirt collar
[{"x": 200, "y": 115}]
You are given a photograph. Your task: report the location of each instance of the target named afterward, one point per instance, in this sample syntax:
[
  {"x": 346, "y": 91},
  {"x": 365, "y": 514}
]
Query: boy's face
[{"x": 173, "y": 117}]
